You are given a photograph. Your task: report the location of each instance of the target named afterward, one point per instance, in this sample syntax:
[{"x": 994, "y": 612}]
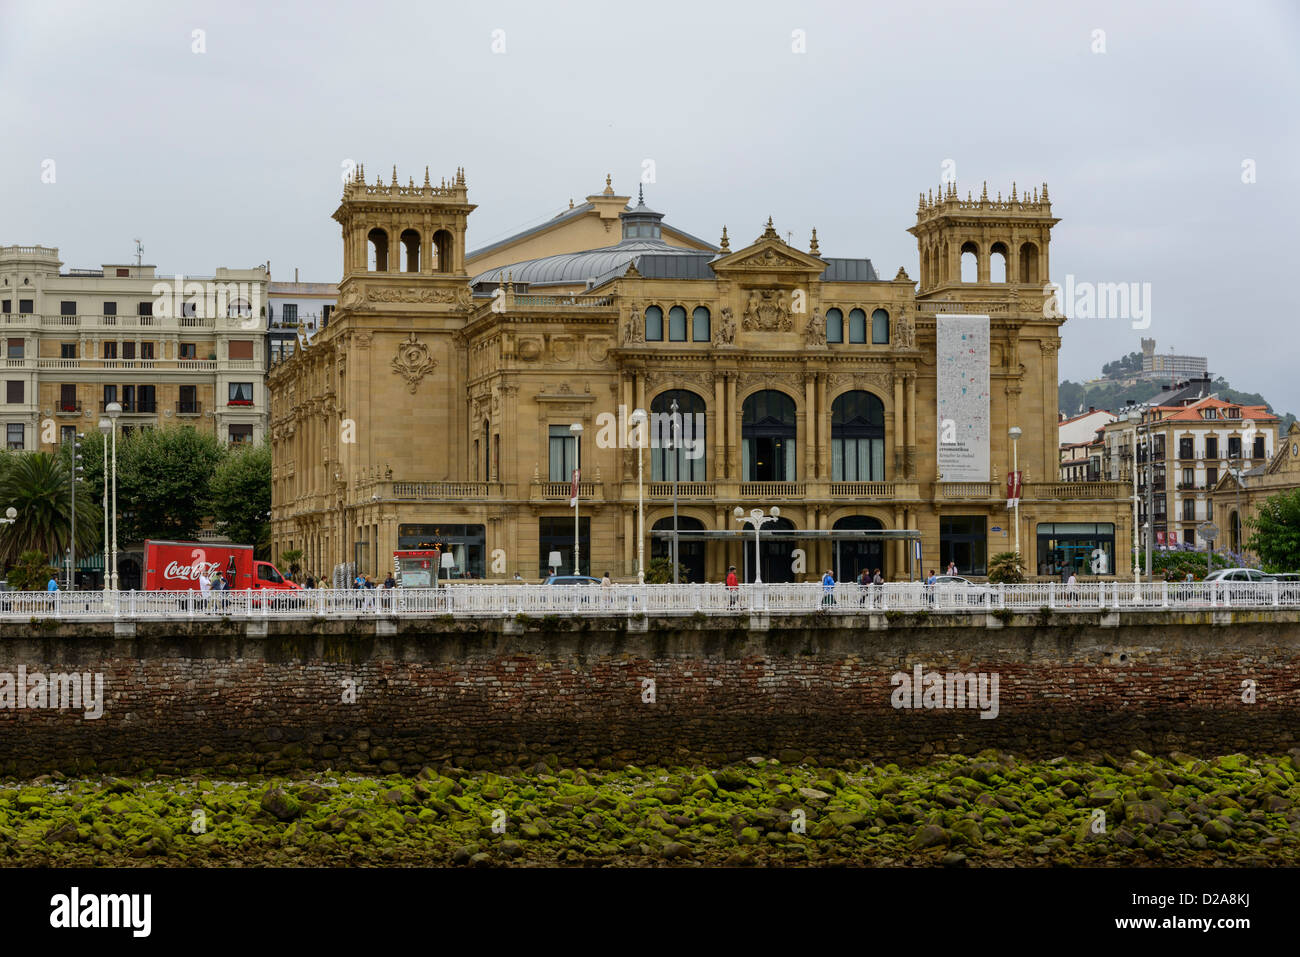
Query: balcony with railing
[
  {"x": 193, "y": 407},
  {"x": 67, "y": 407},
  {"x": 136, "y": 407}
]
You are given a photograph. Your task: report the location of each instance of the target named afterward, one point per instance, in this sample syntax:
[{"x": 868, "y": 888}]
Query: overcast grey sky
[{"x": 233, "y": 156}]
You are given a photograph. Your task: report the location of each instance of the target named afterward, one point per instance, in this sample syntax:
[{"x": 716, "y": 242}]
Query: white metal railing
[{"x": 479, "y": 600}]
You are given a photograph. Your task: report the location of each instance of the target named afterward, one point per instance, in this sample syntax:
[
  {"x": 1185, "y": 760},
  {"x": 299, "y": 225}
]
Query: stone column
[
  {"x": 911, "y": 425},
  {"x": 718, "y": 425},
  {"x": 733, "y": 425},
  {"x": 823, "y": 422},
  {"x": 810, "y": 418},
  {"x": 899, "y": 429}
]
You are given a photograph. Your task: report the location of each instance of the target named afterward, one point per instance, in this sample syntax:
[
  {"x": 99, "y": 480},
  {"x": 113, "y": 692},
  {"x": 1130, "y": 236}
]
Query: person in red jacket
[{"x": 733, "y": 584}]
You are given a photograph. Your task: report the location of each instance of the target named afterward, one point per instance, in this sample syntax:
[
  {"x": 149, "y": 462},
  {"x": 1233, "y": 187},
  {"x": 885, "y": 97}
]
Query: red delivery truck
[{"x": 175, "y": 566}]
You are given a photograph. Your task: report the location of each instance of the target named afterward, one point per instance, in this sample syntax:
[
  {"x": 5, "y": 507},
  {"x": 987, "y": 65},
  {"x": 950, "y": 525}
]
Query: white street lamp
[
  {"x": 757, "y": 519},
  {"x": 105, "y": 426},
  {"x": 1015, "y": 433},
  {"x": 638, "y": 419},
  {"x": 576, "y": 429},
  {"x": 113, "y": 410}
]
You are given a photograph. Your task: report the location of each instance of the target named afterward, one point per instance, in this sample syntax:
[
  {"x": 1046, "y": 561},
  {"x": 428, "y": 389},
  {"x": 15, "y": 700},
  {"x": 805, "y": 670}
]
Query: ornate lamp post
[
  {"x": 113, "y": 410},
  {"x": 1015, "y": 433},
  {"x": 757, "y": 519},
  {"x": 576, "y": 430},
  {"x": 677, "y": 464},
  {"x": 638, "y": 420}
]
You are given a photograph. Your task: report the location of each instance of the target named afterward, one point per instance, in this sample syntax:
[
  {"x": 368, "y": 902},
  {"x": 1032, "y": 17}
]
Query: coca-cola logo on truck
[{"x": 175, "y": 570}]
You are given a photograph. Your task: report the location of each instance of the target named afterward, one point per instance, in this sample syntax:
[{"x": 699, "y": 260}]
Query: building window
[
  {"x": 1084, "y": 548},
  {"x": 325, "y": 315},
  {"x": 110, "y": 309},
  {"x": 768, "y": 437},
  {"x": 67, "y": 308},
  {"x": 188, "y": 404},
  {"x": 67, "y": 350},
  {"x": 857, "y": 326},
  {"x": 144, "y": 308},
  {"x": 677, "y": 324},
  {"x": 1211, "y": 447},
  {"x": 1211, "y": 477},
  {"x": 146, "y": 350},
  {"x": 880, "y": 327},
  {"x": 241, "y": 348},
  {"x": 688, "y": 437},
  {"x": 857, "y": 438},
  {"x": 15, "y": 349},
  {"x": 290, "y": 313},
  {"x": 555, "y": 534},
  {"x": 1189, "y": 536},
  {"x": 110, "y": 350},
  {"x": 834, "y": 325},
  {"x": 14, "y": 391},
  {"x": 67, "y": 433},
  {"x": 1209, "y": 510},
  {"x": 25, "y": 306},
  {"x": 144, "y": 401},
  {"x": 1189, "y": 478},
  {"x": 14, "y": 436},
  {"x": 1258, "y": 451},
  {"x": 241, "y": 393},
  {"x": 187, "y": 350},
  {"x": 1186, "y": 448},
  {"x": 1234, "y": 447},
  {"x": 68, "y": 398},
  {"x": 563, "y": 453},
  {"x": 654, "y": 324},
  {"x": 964, "y": 539},
  {"x": 128, "y": 350},
  {"x": 1189, "y": 510},
  {"x": 700, "y": 331},
  {"x": 5, "y": 305},
  {"x": 240, "y": 434}
]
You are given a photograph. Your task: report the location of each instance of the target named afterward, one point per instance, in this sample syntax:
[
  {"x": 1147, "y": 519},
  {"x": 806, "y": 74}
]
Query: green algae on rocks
[{"x": 990, "y": 809}]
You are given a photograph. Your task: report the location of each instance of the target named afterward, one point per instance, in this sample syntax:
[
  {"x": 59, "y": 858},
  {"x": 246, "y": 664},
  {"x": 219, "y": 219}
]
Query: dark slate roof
[
  {"x": 583, "y": 267},
  {"x": 849, "y": 270}
]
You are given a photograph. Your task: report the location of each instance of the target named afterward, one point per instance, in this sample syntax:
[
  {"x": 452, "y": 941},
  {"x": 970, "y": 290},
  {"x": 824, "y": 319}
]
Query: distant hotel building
[
  {"x": 1170, "y": 368},
  {"x": 189, "y": 350},
  {"x": 297, "y": 310}
]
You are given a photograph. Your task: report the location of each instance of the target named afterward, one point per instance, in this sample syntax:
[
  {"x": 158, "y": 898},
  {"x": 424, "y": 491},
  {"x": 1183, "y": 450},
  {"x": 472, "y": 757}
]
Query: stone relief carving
[
  {"x": 727, "y": 327},
  {"x": 770, "y": 258},
  {"x": 767, "y": 310},
  {"x": 413, "y": 361},
  {"x": 417, "y": 294}
]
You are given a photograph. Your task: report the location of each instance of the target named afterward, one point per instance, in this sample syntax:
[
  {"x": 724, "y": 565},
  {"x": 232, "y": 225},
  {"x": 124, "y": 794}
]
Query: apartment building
[
  {"x": 1183, "y": 450},
  {"x": 169, "y": 350},
  {"x": 296, "y": 312}
]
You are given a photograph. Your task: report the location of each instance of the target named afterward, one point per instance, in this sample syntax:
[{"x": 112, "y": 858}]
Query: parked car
[
  {"x": 1234, "y": 578},
  {"x": 1238, "y": 575},
  {"x": 571, "y": 580},
  {"x": 955, "y": 590}
]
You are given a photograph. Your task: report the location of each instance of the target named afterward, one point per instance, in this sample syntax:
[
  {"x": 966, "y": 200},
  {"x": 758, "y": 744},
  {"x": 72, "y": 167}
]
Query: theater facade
[{"x": 453, "y": 395}]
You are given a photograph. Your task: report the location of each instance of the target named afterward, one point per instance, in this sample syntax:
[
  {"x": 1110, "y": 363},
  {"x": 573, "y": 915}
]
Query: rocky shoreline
[{"x": 991, "y": 809}]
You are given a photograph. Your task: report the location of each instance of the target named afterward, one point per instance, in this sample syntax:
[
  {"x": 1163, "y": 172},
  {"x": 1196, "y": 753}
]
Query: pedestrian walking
[
  {"x": 390, "y": 581},
  {"x": 828, "y": 588},
  {"x": 951, "y": 570},
  {"x": 52, "y": 584},
  {"x": 733, "y": 587},
  {"x": 864, "y": 585},
  {"x": 310, "y": 582}
]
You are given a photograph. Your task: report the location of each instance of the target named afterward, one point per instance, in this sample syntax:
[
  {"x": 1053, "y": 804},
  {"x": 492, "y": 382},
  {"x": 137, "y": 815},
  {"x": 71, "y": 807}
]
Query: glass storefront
[
  {"x": 1085, "y": 548},
  {"x": 555, "y": 534},
  {"x": 467, "y": 543}
]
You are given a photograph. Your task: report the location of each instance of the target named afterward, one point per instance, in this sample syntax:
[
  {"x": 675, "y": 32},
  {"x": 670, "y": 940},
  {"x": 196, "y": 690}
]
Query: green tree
[
  {"x": 31, "y": 573},
  {"x": 1005, "y": 568},
  {"x": 240, "y": 494},
  {"x": 163, "y": 480},
  {"x": 1276, "y": 532},
  {"x": 37, "y": 486}
]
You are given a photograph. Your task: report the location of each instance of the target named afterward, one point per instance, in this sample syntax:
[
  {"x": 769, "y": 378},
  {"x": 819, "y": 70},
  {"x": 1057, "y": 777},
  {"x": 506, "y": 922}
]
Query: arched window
[
  {"x": 677, "y": 324},
  {"x": 970, "y": 262},
  {"x": 654, "y": 324},
  {"x": 857, "y": 326},
  {"x": 690, "y": 555},
  {"x": 378, "y": 240},
  {"x": 880, "y": 327},
  {"x": 998, "y": 263},
  {"x": 685, "y": 432},
  {"x": 442, "y": 246},
  {"x": 834, "y": 325},
  {"x": 410, "y": 240},
  {"x": 1029, "y": 263},
  {"x": 768, "y": 437},
  {"x": 857, "y": 438},
  {"x": 700, "y": 330}
]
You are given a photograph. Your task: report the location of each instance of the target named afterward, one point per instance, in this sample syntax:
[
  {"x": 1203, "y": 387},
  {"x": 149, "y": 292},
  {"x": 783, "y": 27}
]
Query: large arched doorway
[
  {"x": 852, "y": 556},
  {"x": 690, "y": 555},
  {"x": 768, "y": 434}
]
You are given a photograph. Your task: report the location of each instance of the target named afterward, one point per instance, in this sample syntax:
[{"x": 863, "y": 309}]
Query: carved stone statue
[
  {"x": 815, "y": 333},
  {"x": 727, "y": 328}
]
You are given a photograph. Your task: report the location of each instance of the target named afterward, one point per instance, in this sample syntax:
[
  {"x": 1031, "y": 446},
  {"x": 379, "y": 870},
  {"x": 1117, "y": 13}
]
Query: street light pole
[
  {"x": 576, "y": 430},
  {"x": 638, "y": 420},
  {"x": 757, "y": 519},
  {"x": 1130, "y": 417},
  {"x": 1015, "y": 434},
  {"x": 676, "y": 465},
  {"x": 114, "y": 410},
  {"x": 104, "y": 426}
]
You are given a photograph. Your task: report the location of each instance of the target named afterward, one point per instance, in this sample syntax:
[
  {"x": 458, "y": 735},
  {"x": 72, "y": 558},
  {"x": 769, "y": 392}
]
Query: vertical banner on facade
[{"x": 962, "y": 372}]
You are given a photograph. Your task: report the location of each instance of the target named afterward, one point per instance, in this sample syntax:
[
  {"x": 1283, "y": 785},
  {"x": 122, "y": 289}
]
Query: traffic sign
[{"x": 1208, "y": 531}]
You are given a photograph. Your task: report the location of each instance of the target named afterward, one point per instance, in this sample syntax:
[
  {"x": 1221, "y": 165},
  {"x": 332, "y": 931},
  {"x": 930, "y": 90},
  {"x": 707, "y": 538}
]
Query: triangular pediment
[{"x": 770, "y": 256}]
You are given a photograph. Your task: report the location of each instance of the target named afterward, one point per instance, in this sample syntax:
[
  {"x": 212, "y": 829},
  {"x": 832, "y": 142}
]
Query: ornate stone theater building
[{"x": 439, "y": 403}]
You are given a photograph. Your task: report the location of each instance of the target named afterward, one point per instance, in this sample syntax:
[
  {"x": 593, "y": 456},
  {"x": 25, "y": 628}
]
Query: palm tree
[
  {"x": 36, "y": 484},
  {"x": 1005, "y": 567}
]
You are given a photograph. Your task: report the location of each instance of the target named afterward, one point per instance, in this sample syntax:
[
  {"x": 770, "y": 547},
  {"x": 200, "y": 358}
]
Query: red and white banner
[
  {"x": 1013, "y": 489},
  {"x": 573, "y": 492}
]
